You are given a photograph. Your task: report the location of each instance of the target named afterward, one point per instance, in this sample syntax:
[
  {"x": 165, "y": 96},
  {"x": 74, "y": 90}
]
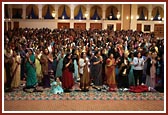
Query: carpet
[{"x": 78, "y": 95}]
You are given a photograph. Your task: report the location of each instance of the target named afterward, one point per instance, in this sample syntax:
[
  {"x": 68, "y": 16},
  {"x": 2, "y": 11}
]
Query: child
[{"x": 56, "y": 86}]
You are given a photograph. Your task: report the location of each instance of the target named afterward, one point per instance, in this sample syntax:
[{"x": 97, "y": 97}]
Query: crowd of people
[{"x": 93, "y": 58}]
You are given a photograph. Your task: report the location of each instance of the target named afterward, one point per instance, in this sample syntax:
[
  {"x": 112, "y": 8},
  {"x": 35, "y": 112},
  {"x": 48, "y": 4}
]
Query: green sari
[{"x": 31, "y": 79}]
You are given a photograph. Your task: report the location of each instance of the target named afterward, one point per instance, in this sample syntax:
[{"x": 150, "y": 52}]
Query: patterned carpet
[{"x": 92, "y": 94}]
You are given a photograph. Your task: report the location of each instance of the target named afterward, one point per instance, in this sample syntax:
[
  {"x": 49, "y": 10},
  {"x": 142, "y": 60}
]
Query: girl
[{"x": 56, "y": 86}]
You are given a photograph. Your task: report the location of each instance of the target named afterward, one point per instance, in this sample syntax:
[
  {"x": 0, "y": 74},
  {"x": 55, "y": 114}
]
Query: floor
[{"x": 84, "y": 105}]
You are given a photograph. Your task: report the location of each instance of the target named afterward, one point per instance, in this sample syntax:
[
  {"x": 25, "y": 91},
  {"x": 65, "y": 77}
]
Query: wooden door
[
  {"x": 118, "y": 26},
  {"x": 159, "y": 30},
  {"x": 63, "y": 25},
  {"x": 80, "y": 26},
  {"x": 139, "y": 27},
  {"x": 95, "y": 26},
  {"x": 16, "y": 25}
]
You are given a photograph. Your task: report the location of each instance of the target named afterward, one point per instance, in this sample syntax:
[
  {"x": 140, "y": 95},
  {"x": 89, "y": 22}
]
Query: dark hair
[
  {"x": 67, "y": 55},
  {"x": 44, "y": 50},
  {"x": 110, "y": 54},
  {"x": 131, "y": 53},
  {"x": 96, "y": 52},
  {"x": 138, "y": 53},
  {"x": 82, "y": 54}
]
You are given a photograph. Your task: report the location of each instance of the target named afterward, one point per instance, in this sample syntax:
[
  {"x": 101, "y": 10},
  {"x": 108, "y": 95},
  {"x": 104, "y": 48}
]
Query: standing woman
[
  {"x": 138, "y": 63},
  {"x": 31, "y": 79},
  {"x": 67, "y": 74},
  {"x": 104, "y": 55},
  {"x": 97, "y": 70},
  {"x": 84, "y": 72},
  {"x": 75, "y": 59},
  {"x": 16, "y": 70},
  {"x": 131, "y": 74},
  {"x": 8, "y": 61},
  {"x": 60, "y": 64},
  {"x": 44, "y": 67},
  {"x": 110, "y": 72},
  {"x": 50, "y": 63},
  {"x": 38, "y": 66},
  {"x": 124, "y": 71},
  {"x": 153, "y": 71}
]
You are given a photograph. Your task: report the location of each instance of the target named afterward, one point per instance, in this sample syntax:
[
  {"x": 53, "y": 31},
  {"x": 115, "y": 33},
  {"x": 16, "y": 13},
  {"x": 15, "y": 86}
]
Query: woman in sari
[
  {"x": 67, "y": 73},
  {"x": 44, "y": 66},
  {"x": 84, "y": 73},
  {"x": 16, "y": 70},
  {"x": 110, "y": 72},
  {"x": 131, "y": 74},
  {"x": 31, "y": 80},
  {"x": 60, "y": 64},
  {"x": 38, "y": 66},
  {"x": 96, "y": 70},
  {"x": 75, "y": 62}
]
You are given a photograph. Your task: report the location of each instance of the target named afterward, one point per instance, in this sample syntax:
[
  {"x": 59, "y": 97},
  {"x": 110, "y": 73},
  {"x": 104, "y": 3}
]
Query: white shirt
[
  {"x": 82, "y": 64},
  {"x": 139, "y": 62}
]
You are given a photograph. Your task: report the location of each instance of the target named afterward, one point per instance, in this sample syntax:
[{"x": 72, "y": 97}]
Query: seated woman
[{"x": 56, "y": 87}]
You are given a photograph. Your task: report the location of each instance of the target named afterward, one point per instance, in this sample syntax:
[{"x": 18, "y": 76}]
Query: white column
[
  {"x": 10, "y": 11},
  {"x": 71, "y": 24},
  {"x": 88, "y": 11},
  {"x": 150, "y": 11},
  {"x": 7, "y": 25},
  {"x": 12, "y": 25},
  {"x": 122, "y": 16},
  {"x": 104, "y": 12},
  {"x": 152, "y": 27},
  {"x": 88, "y": 16},
  {"x": 40, "y": 10},
  {"x": 24, "y": 11},
  {"x": 104, "y": 26},
  {"x": 133, "y": 17},
  {"x": 56, "y": 11},
  {"x": 72, "y": 12}
]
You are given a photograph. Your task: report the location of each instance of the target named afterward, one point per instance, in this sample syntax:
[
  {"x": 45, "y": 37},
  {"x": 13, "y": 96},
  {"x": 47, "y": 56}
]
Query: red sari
[{"x": 67, "y": 79}]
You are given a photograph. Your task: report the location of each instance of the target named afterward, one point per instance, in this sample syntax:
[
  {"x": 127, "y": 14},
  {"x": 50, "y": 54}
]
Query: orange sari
[{"x": 110, "y": 73}]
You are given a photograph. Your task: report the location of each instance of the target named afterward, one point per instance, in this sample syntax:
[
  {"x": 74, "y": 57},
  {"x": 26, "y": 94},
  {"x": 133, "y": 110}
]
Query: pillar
[
  {"x": 10, "y": 11},
  {"x": 72, "y": 12},
  {"x": 88, "y": 16},
  {"x": 126, "y": 16},
  {"x": 104, "y": 12},
  {"x": 56, "y": 11},
  {"x": 134, "y": 9},
  {"x": 150, "y": 11},
  {"x": 40, "y": 11},
  {"x": 24, "y": 11}
]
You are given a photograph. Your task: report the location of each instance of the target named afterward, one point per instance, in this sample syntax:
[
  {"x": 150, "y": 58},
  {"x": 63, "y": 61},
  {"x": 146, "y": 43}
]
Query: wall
[
  {"x": 38, "y": 24},
  {"x": 29, "y": 23}
]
